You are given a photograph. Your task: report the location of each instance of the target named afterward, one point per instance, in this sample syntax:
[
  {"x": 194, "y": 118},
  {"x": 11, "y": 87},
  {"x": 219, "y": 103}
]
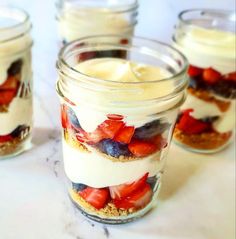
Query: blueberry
[
  {"x": 113, "y": 148},
  {"x": 73, "y": 118},
  {"x": 224, "y": 88},
  {"x": 15, "y": 67},
  {"x": 78, "y": 186},
  {"x": 64, "y": 42},
  {"x": 17, "y": 131},
  {"x": 150, "y": 129},
  {"x": 210, "y": 119}
]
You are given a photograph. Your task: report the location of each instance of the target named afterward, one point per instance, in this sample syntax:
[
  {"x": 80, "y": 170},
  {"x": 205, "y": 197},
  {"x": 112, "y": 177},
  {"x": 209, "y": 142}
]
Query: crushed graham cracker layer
[
  {"x": 208, "y": 97},
  {"x": 11, "y": 147},
  {"x": 3, "y": 108},
  {"x": 206, "y": 141},
  {"x": 108, "y": 211}
]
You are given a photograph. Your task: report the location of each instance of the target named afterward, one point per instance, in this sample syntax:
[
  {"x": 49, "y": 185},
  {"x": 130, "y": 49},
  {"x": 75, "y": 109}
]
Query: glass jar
[
  {"x": 207, "y": 119},
  {"x": 81, "y": 18},
  {"x": 118, "y": 113},
  {"x": 15, "y": 82}
]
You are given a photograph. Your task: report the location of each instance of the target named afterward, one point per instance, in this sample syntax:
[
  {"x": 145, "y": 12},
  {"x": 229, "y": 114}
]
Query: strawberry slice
[
  {"x": 5, "y": 138},
  {"x": 64, "y": 116},
  {"x": 230, "y": 77},
  {"x": 115, "y": 117},
  {"x": 211, "y": 76},
  {"x": 6, "y": 96},
  {"x": 97, "y": 197},
  {"x": 123, "y": 190},
  {"x": 138, "y": 199},
  {"x": 125, "y": 134},
  {"x": 91, "y": 138},
  {"x": 10, "y": 84},
  {"x": 194, "y": 71},
  {"x": 189, "y": 125},
  {"x": 140, "y": 148},
  {"x": 124, "y": 41},
  {"x": 110, "y": 128}
]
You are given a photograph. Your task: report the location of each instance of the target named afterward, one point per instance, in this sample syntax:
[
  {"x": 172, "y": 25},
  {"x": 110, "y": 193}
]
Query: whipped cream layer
[
  {"x": 208, "y": 48},
  {"x": 77, "y": 23},
  {"x": 97, "y": 171},
  {"x": 203, "y": 109},
  {"x": 118, "y": 70},
  {"x": 11, "y": 51},
  {"x": 19, "y": 113}
]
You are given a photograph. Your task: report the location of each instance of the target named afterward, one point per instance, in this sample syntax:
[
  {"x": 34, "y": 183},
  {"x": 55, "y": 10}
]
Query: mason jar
[
  {"x": 207, "y": 120},
  {"x": 81, "y": 18},
  {"x": 15, "y": 81},
  {"x": 117, "y": 116}
]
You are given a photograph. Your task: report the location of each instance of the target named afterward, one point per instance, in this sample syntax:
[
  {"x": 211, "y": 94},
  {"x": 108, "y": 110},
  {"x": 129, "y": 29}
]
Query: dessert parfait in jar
[
  {"x": 81, "y": 18},
  {"x": 117, "y": 116},
  {"x": 15, "y": 81},
  {"x": 207, "y": 120}
]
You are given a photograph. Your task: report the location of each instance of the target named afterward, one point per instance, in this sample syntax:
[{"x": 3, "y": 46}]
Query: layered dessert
[
  {"x": 114, "y": 157},
  {"x": 207, "y": 118},
  {"x": 15, "y": 95},
  {"x": 77, "y": 20}
]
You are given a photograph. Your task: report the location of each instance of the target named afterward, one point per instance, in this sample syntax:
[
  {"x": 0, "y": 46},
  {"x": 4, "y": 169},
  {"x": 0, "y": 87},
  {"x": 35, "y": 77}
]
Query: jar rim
[
  {"x": 226, "y": 15},
  {"x": 62, "y": 62},
  {"x": 121, "y": 9},
  {"x": 172, "y": 58},
  {"x": 19, "y": 28}
]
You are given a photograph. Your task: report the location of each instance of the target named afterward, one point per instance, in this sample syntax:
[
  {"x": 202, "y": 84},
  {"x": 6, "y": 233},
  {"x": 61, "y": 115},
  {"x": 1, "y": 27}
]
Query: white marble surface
[{"x": 197, "y": 200}]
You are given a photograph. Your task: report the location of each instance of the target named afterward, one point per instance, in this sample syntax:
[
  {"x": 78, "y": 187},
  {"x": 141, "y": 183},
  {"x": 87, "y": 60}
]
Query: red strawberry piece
[
  {"x": 64, "y": 116},
  {"x": 125, "y": 134},
  {"x": 138, "y": 199},
  {"x": 194, "y": 71},
  {"x": 115, "y": 117},
  {"x": 230, "y": 77},
  {"x": 123, "y": 190},
  {"x": 124, "y": 41},
  {"x": 91, "y": 138},
  {"x": 110, "y": 128},
  {"x": 10, "y": 84},
  {"x": 97, "y": 197},
  {"x": 211, "y": 76},
  {"x": 189, "y": 125},
  {"x": 6, "y": 96},
  {"x": 5, "y": 138},
  {"x": 140, "y": 148}
]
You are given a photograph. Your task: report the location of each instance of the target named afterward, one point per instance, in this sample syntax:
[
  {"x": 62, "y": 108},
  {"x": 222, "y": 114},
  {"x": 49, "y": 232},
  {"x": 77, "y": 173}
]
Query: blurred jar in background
[
  {"x": 15, "y": 81},
  {"x": 81, "y": 18},
  {"x": 207, "y": 38}
]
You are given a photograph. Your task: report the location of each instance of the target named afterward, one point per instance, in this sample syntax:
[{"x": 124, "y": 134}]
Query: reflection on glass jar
[
  {"x": 15, "y": 81},
  {"x": 81, "y": 18},
  {"x": 207, "y": 120},
  {"x": 117, "y": 115}
]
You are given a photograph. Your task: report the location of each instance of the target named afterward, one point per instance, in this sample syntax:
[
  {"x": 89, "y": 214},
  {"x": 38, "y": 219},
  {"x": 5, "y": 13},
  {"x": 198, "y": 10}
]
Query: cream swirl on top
[
  {"x": 77, "y": 23},
  {"x": 209, "y": 48},
  {"x": 119, "y": 70}
]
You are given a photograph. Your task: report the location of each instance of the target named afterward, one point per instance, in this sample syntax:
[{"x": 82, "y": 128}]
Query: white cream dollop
[
  {"x": 119, "y": 70},
  {"x": 76, "y": 23},
  {"x": 95, "y": 170},
  {"x": 209, "y": 48},
  {"x": 19, "y": 113}
]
